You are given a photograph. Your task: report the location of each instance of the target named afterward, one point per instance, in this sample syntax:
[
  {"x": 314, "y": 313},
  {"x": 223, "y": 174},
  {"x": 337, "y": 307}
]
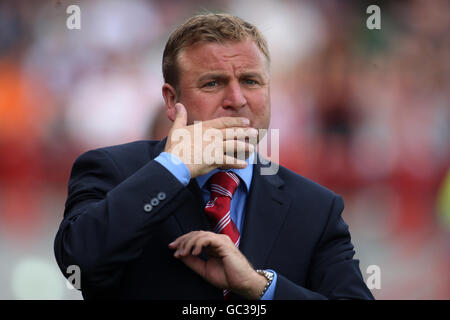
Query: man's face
[{"x": 225, "y": 80}]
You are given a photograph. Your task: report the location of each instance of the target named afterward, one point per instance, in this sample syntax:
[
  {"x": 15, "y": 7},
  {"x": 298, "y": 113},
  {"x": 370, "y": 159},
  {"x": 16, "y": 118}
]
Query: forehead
[{"x": 228, "y": 56}]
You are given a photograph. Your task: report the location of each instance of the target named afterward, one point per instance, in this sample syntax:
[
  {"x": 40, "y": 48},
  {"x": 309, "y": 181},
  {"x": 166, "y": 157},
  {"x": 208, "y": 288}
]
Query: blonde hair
[{"x": 211, "y": 27}]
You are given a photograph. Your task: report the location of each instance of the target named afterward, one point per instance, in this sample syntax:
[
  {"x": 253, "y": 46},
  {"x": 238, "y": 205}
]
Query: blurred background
[{"x": 364, "y": 112}]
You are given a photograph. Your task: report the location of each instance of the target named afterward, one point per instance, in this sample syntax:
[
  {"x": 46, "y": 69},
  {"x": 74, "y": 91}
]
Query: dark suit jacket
[{"x": 292, "y": 225}]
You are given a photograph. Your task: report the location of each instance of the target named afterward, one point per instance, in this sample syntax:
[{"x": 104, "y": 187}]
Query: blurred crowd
[{"x": 364, "y": 112}]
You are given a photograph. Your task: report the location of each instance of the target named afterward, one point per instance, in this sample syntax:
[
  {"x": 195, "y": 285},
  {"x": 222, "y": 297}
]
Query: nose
[{"x": 234, "y": 97}]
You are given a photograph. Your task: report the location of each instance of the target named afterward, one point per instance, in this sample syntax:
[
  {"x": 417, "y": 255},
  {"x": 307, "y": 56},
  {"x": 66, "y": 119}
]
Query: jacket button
[
  {"x": 148, "y": 207},
  {"x": 161, "y": 196},
  {"x": 154, "y": 202}
]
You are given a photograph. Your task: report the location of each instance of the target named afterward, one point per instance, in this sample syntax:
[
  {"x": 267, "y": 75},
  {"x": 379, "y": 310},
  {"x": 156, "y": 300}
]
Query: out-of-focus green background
[{"x": 363, "y": 112}]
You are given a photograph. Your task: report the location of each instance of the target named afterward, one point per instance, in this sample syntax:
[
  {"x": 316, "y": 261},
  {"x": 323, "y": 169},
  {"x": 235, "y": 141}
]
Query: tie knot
[{"x": 224, "y": 183}]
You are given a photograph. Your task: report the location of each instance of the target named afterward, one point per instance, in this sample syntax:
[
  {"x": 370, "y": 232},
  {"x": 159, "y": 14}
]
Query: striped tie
[{"x": 222, "y": 186}]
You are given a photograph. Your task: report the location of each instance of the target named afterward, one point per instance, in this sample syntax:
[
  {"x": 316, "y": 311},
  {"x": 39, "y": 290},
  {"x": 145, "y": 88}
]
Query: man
[{"x": 141, "y": 225}]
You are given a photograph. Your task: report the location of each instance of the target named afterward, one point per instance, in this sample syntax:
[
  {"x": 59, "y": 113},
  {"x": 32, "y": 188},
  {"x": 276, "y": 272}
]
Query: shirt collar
[{"x": 245, "y": 174}]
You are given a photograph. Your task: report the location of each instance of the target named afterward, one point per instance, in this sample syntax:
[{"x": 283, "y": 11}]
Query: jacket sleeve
[
  {"x": 333, "y": 273},
  {"x": 107, "y": 220}
]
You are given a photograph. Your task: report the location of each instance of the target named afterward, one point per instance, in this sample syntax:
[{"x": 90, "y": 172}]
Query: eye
[
  {"x": 250, "y": 82},
  {"x": 211, "y": 84}
]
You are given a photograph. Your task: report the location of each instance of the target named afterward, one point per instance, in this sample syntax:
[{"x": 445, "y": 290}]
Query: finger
[
  {"x": 189, "y": 243},
  {"x": 236, "y": 150},
  {"x": 236, "y": 133},
  {"x": 186, "y": 242},
  {"x": 201, "y": 243},
  {"x": 182, "y": 245},
  {"x": 180, "y": 116},
  {"x": 194, "y": 244},
  {"x": 197, "y": 248},
  {"x": 209, "y": 240},
  {"x": 176, "y": 243},
  {"x": 216, "y": 245},
  {"x": 196, "y": 264},
  {"x": 233, "y": 163},
  {"x": 231, "y": 147},
  {"x": 227, "y": 122}
]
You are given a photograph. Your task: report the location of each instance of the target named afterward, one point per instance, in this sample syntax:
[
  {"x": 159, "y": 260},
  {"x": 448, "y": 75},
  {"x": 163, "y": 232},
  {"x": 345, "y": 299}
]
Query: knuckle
[
  {"x": 223, "y": 122},
  {"x": 212, "y": 235},
  {"x": 225, "y": 237}
]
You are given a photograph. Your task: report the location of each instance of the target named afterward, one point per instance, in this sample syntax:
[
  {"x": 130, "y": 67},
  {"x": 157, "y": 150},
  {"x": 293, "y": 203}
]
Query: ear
[{"x": 170, "y": 98}]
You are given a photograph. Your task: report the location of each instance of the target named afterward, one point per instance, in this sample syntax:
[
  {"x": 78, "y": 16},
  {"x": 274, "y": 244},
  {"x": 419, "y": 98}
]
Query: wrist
[
  {"x": 257, "y": 287},
  {"x": 269, "y": 276},
  {"x": 175, "y": 166}
]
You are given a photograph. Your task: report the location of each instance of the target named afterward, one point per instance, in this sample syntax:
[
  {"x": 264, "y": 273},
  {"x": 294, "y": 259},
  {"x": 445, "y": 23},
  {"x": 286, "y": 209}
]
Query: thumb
[{"x": 180, "y": 116}]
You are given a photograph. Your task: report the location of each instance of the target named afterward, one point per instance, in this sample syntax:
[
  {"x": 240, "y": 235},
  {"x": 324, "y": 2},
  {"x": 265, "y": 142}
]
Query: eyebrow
[
  {"x": 215, "y": 75},
  {"x": 251, "y": 74}
]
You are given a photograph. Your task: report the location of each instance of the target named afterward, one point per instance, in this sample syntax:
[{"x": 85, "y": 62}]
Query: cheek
[
  {"x": 260, "y": 109},
  {"x": 199, "y": 107},
  {"x": 260, "y": 103}
]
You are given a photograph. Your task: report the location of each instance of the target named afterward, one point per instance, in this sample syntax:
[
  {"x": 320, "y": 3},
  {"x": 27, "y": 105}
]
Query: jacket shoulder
[
  {"x": 136, "y": 149},
  {"x": 127, "y": 157}
]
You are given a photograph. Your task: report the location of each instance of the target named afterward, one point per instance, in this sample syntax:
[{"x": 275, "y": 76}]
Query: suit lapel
[{"x": 267, "y": 207}]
